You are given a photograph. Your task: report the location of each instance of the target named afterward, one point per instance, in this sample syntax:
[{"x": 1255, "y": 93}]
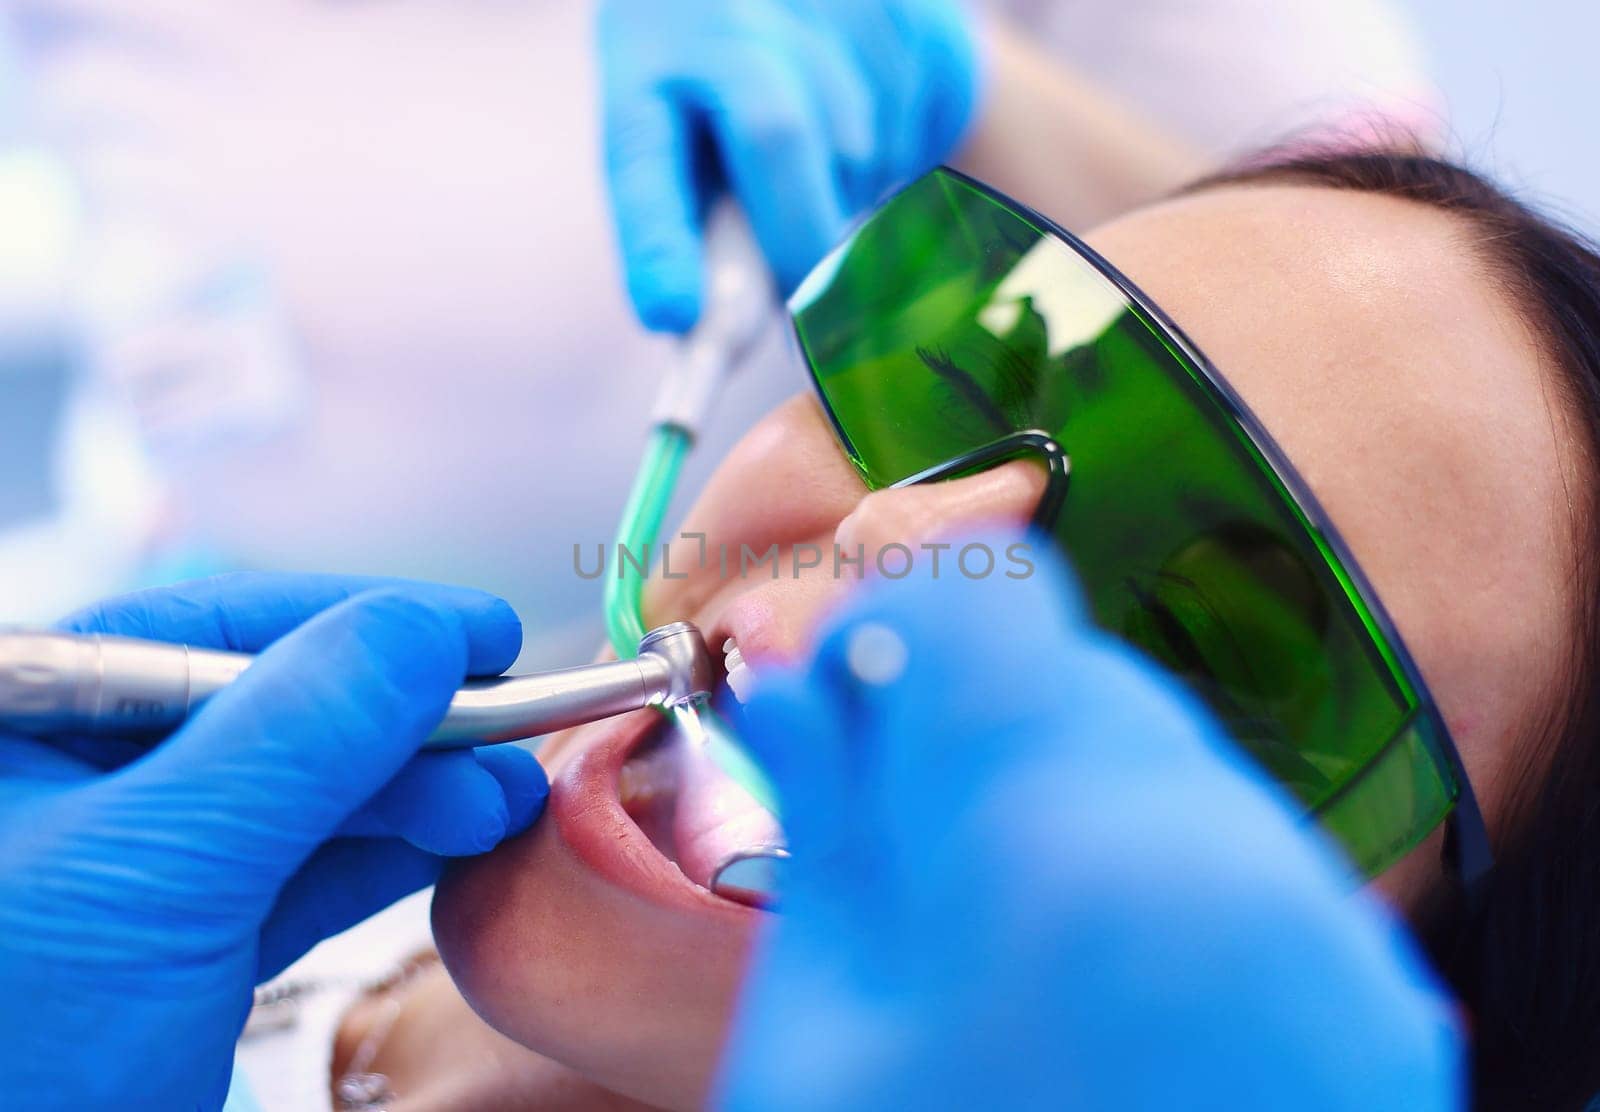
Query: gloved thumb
[{"x": 273, "y": 765}]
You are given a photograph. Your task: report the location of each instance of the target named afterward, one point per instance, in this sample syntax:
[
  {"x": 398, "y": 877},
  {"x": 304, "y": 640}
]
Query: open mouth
[
  {"x": 694, "y": 814},
  {"x": 594, "y": 938},
  {"x": 700, "y": 819},
  {"x": 648, "y": 798}
]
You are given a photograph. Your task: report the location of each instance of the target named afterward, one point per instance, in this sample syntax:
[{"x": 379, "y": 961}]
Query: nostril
[{"x": 886, "y": 517}]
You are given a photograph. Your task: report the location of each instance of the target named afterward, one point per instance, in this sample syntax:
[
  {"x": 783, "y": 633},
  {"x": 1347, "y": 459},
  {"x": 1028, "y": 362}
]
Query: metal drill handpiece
[
  {"x": 689, "y": 665},
  {"x": 58, "y": 682},
  {"x": 673, "y": 667},
  {"x": 54, "y": 683}
]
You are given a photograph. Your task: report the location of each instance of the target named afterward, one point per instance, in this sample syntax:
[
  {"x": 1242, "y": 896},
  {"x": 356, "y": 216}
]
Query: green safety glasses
[{"x": 956, "y": 329}]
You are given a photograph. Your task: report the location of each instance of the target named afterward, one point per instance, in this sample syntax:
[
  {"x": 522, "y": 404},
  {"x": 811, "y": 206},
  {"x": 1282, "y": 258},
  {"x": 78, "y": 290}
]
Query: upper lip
[{"x": 751, "y": 620}]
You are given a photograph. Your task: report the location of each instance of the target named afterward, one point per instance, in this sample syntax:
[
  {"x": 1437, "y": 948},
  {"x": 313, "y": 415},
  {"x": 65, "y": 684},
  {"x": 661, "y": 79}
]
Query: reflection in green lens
[{"x": 950, "y": 319}]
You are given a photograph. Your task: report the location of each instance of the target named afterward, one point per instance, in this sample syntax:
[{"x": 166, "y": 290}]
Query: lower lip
[
  {"x": 581, "y": 940},
  {"x": 586, "y": 804}
]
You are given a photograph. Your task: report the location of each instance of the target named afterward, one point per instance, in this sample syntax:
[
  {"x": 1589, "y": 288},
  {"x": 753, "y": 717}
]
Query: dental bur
[{"x": 57, "y": 683}]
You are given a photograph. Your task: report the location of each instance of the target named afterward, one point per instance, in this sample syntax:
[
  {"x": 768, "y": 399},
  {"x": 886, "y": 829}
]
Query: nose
[
  {"x": 788, "y": 489},
  {"x": 910, "y": 516}
]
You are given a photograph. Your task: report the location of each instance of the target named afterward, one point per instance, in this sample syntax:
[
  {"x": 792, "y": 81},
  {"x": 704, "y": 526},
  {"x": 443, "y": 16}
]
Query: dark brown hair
[{"x": 1524, "y": 955}]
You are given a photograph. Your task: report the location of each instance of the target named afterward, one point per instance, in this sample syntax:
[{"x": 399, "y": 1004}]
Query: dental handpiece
[{"x": 54, "y": 684}]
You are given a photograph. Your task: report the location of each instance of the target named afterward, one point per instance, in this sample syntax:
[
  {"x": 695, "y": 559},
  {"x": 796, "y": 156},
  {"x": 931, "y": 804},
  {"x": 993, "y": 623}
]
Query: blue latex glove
[
  {"x": 1030, "y": 873},
  {"x": 141, "y": 901},
  {"x": 810, "y": 109}
]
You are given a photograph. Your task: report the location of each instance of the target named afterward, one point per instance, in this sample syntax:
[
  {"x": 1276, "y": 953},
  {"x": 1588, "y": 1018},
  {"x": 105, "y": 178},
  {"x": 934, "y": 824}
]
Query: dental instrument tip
[{"x": 751, "y": 876}]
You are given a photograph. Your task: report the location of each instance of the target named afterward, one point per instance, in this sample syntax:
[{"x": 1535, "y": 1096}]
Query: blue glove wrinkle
[
  {"x": 345, "y": 881},
  {"x": 882, "y": 46},
  {"x": 844, "y": 95}
]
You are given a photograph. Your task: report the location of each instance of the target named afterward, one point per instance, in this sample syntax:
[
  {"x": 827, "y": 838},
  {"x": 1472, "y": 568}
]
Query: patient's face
[{"x": 1387, "y": 364}]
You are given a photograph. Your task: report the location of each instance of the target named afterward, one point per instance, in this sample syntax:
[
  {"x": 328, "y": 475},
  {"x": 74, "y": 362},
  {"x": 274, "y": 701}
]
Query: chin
[{"x": 591, "y": 939}]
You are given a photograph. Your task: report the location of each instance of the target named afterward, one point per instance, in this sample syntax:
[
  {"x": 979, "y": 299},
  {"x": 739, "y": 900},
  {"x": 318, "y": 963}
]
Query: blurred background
[
  {"x": 331, "y": 286},
  {"x": 1519, "y": 84},
  {"x": 314, "y": 286}
]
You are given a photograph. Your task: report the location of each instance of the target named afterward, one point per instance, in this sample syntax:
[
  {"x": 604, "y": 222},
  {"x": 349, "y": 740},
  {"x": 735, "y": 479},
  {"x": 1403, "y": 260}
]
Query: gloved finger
[
  {"x": 959, "y": 647},
  {"x": 522, "y": 779},
  {"x": 62, "y": 759},
  {"x": 456, "y": 803},
  {"x": 275, "y": 763},
  {"x": 952, "y": 679},
  {"x": 246, "y": 611},
  {"x": 798, "y": 725},
  {"x": 955, "y": 76},
  {"x": 998, "y": 676},
  {"x": 795, "y": 732},
  {"x": 649, "y": 167},
  {"x": 772, "y": 138},
  {"x": 875, "y": 34},
  {"x": 33, "y": 772},
  {"x": 346, "y": 881},
  {"x": 846, "y": 98},
  {"x": 924, "y": 67}
]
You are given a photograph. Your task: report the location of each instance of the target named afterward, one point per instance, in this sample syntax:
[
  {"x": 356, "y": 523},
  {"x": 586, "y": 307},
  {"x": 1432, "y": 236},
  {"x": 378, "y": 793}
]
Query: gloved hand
[
  {"x": 1030, "y": 873},
  {"x": 810, "y": 109},
  {"x": 141, "y": 901}
]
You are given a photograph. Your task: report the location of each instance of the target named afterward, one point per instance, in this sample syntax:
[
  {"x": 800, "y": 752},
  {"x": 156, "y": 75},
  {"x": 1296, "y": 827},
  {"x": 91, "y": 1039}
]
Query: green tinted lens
[{"x": 951, "y": 319}]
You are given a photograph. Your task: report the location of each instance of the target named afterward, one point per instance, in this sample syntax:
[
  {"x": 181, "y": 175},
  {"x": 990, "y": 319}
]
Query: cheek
[
  {"x": 786, "y": 482},
  {"x": 628, "y": 993}
]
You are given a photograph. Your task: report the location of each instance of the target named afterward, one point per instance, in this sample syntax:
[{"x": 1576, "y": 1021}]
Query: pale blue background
[{"x": 1522, "y": 82}]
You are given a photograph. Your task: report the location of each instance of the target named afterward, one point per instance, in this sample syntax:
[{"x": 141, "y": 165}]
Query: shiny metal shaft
[{"x": 55, "y": 683}]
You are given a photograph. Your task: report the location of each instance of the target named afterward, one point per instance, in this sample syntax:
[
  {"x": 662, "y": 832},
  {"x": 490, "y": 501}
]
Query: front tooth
[{"x": 740, "y": 677}]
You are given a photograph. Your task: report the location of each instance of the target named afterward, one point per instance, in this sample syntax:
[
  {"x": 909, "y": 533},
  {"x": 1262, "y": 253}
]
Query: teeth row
[
  {"x": 740, "y": 677},
  {"x": 647, "y": 779}
]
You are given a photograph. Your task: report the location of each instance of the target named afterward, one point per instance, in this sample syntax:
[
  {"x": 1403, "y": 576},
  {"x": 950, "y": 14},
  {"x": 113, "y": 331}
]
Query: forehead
[{"x": 1403, "y": 383}]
